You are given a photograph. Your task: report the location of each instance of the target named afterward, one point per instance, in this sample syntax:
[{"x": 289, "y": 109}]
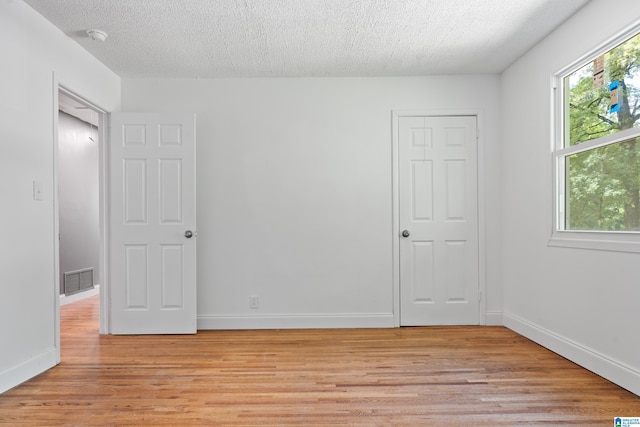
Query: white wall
[
  {"x": 32, "y": 49},
  {"x": 294, "y": 191},
  {"x": 582, "y": 304}
]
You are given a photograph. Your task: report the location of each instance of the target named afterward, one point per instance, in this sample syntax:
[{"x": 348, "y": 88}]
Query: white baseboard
[
  {"x": 616, "y": 372},
  {"x": 15, "y": 376},
  {"x": 297, "y": 321},
  {"x": 68, "y": 299},
  {"x": 313, "y": 321},
  {"x": 494, "y": 318}
]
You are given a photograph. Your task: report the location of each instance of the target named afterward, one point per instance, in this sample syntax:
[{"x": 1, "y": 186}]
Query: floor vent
[{"x": 77, "y": 281}]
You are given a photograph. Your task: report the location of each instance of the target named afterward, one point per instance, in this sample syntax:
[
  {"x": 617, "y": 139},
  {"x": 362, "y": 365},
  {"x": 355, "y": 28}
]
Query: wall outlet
[
  {"x": 37, "y": 190},
  {"x": 254, "y": 301}
]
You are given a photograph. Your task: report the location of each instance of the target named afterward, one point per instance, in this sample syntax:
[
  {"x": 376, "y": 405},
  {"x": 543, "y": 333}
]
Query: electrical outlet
[
  {"x": 254, "y": 301},
  {"x": 37, "y": 190}
]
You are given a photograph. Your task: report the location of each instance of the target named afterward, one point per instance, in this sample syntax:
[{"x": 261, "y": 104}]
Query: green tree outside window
[{"x": 602, "y": 184}]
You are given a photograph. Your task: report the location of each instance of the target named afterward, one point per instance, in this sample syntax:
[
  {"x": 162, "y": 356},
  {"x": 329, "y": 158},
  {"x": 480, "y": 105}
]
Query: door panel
[
  {"x": 422, "y": 280},
  {"x": 422, "y": 189},
  {"x": 171, "y": 191},
  {"x": 152, "y": 205},
  {"x": 136, "y": 281},
  {"x": 135, "y": 191},
  {"x": 438, "y": 208},
  {"x": 171, "y": 265}
]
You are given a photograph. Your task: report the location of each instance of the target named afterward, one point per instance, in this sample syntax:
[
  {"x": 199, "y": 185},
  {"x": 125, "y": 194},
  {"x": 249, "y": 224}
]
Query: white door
[
  {"x": 152, "y": 220},
  {"x": 438, "y": 214}
]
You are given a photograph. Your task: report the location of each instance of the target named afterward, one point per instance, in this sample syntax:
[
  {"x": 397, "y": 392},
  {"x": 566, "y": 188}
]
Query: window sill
[{"x": 601, "y": 241}]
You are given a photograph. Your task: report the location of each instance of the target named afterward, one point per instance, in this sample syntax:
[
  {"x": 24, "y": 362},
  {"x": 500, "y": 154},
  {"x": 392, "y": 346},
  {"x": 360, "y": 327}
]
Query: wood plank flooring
[{"x": 428, "y": 376}]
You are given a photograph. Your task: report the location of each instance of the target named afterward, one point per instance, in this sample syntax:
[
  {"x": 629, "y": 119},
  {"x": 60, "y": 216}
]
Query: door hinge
[{"x": 477, "y": 133}]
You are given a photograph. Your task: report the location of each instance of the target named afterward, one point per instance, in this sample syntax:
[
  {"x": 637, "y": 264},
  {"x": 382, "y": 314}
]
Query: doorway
[{"x": 78, "y": 200}]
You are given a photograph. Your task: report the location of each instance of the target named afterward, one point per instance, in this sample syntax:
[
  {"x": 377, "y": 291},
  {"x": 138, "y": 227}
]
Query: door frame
[
  {"x": 103, "y": 279},
  {"x": 395, "y": 172}
]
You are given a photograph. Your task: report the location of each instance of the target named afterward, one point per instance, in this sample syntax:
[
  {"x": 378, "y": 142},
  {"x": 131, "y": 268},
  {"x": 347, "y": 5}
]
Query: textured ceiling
[{"x": 286, "y": 38}]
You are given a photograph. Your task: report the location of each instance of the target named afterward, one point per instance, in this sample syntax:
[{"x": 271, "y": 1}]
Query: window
[{"x": 597, "y": 149}]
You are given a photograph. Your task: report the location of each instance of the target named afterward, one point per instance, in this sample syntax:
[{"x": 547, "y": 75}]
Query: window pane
[
  {"x": 602, "y": 188},
  {"x": 589, "y": 98}
]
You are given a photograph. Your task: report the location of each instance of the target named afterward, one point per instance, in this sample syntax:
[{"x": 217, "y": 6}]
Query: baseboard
[
  {"x": 612, "y": 370},
  {"x": 297, "y": 321},
  {"x": 68, "y": 299},
  {"x": 494, "y": 318},
  {"x": 15, "y": 376}
]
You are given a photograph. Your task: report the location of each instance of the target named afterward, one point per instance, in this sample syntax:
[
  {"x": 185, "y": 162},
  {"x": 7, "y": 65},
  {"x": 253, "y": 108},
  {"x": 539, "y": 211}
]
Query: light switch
[{"x": 37, "y": 190}]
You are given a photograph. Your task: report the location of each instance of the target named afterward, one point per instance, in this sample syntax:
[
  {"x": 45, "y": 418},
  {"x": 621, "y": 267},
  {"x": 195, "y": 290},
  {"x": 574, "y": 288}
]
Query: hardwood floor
[{"x": 430, "y": 376}]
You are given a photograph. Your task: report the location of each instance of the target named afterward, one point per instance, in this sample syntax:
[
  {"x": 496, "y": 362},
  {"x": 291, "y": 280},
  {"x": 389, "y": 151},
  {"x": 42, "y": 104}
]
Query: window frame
[{"x": 619, "y": 241}]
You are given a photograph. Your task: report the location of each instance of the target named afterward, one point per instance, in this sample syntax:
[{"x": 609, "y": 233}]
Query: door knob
[
  {"x": 406, "y": 233},
  {"x": 188, "y": 234}
]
